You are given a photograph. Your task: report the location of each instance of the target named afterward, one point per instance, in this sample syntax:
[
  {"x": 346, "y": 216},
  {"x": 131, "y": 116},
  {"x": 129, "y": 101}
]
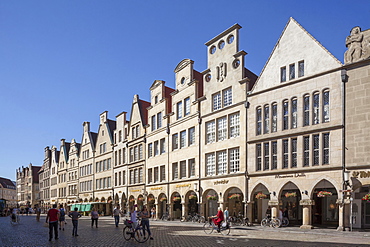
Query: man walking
[
  {"x": 75, "y": 215},
  {"x": 117, "y": 212},
  {"x": 53, "y": 217}
]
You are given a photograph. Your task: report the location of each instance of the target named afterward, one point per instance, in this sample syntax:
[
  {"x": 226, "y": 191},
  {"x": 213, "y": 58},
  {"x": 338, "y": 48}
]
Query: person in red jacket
[
  {"x": 217, "y": 219},
  {"x": 53, "y": 217}
]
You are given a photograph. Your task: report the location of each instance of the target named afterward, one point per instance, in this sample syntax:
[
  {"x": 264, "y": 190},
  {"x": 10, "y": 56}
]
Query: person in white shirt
[
  {"x": 133, "y": 216},
  {"x": 116, "y": 213}
]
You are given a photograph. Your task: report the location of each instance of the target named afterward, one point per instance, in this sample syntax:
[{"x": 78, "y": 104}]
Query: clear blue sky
[{"x": 65, "y": 62}]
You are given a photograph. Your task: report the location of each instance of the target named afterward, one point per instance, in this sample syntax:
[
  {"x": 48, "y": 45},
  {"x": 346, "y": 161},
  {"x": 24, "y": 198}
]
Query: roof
[{"x": 7, "y": 183}]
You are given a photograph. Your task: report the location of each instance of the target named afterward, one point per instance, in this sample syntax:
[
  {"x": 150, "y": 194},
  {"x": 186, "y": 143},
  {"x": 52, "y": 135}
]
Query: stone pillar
[
  {"x": 307, "y": 211},
  {"x": 344, "y": 214},
  {"x": 183, "y": 209},
  {"x": 274, "y": 204},
  {"x": 249, "y": 210}
]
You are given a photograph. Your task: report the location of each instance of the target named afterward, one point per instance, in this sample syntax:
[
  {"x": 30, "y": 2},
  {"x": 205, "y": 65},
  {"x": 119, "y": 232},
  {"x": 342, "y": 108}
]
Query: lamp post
[{"x": 346, "y": 179}]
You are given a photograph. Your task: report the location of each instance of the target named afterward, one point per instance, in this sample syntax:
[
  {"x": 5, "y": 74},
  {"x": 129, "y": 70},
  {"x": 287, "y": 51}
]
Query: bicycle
[
  {"x": 138, "y": 233},
  {"x": 284, "y": 221},
  {"x": 210, "y": 226},
  {"x": 14, "y": 219},
  {"x": 198, "y": 218},
  {"x": 165, "y": 217},
  {"x": 272, "y": 222}
]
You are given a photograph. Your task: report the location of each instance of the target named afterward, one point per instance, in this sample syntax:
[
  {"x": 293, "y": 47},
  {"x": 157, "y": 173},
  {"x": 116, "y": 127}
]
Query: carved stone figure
[
  {"x": 221, "y": 72},
  {"x": 358, "y": 46}
]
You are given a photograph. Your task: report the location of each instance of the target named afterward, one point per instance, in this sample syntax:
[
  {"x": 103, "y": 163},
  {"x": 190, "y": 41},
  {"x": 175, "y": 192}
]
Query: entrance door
[{"x": 366, "y": 214}]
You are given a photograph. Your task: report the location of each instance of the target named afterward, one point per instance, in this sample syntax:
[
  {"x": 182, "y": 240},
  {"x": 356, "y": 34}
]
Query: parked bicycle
[
  {"x": 165, "y": 217},
  {"x": 238, "y": 220},
  {"x": 284, "y": 221},
  {"x": 193, "y": 218},
  {"x": 210, "y": 226},
  {"x": 138, "y": 233},
  {"x": 272, "y": 222}
]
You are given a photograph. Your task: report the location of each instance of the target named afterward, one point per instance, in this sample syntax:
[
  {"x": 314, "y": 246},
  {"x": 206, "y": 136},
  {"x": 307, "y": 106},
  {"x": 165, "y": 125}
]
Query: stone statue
[{"x": 358, "y": 46}]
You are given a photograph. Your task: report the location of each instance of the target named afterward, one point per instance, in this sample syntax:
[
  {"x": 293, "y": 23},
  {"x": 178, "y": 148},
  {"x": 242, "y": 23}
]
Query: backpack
[{"x": 62, "y": 213}]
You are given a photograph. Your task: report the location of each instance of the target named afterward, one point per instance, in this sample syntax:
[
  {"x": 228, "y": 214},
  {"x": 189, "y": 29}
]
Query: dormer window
[
  {"x": 283, "y": 74},
  {"x": 291, "y": 71},
  {"x": 300, "y": 68}
]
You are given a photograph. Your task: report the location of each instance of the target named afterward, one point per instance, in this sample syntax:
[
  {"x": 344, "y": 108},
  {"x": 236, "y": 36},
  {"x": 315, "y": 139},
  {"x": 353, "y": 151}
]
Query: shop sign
[
  {"x": 295, "y": 175},
  {"x": 183, "y": 185},
  {"x": 138, "y": 190},
  {"x": 156, "y": 188},
  {"x": 362, "y": 174},
  {"x": 225, "y": 181}
]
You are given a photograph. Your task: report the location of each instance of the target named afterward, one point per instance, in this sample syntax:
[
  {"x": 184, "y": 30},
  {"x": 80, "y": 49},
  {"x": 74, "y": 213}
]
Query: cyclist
[
  {"x": 15, "y": 212},
  {"x": 217, "y": 219},
  {"x": 133, "y": 216}
]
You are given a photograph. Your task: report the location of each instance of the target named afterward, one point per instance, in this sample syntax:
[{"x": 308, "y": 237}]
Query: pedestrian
[
  {"x": 53, "y": 217},
  {"x": 116, "y": 213},
  {"x": 154, "y": 213},
  {"x": 75, "y": 215},
  {"x": 144, "y": 214},
  {"x": 62, "y": 217},
  {"x": 133, "y": 216},
  {"x": 226, "y": 213},
  {"x": 38, "y": 213},
  {"x": 94, "y": 217}
]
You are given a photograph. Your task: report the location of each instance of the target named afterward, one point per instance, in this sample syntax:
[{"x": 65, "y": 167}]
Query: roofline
[{"x": 235, "y": 26}]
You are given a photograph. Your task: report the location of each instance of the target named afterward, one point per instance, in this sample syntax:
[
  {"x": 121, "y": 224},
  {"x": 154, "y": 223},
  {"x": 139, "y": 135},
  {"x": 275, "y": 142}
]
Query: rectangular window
[
  {"x": 306, "y": 110},
  {"x": 266, "y": 119},
  {"x": 140, "y": 175},
  {"x": 294, "y": 152},
  {"x": 234, "y": 125},
  {"x": 150, "y": 149},
  {"x": 258, "y": 157},
  {"x": 159, "y": 120},
  {"x": 175, "y": 141},
  {"x": 258, "y": 121},
  {"x": 175, "y": 171},
  {"x": 136, "y": 153},
  {"x": 325, "y": 109},
  {"x": 120, "y": 178},
  {"x": 211, "y": 166},
  {"x": 191, "y": 136},
  {"x": 136, "y": 172},
  {"x": 191, "y": 167},
  {"x": 163, "y": 173},
  {"x": 210, "y": 132},
  {"x": 227, "y": 97},
  {"x": 266, "y": 156},
  {"x": 154, "y": 122},
  {"x": 285, "y": 154},
  {"x": 131, "y": 154},
  {"x": 274, "y": 155},
  {"x": 150, "y": 176},
  {"x": 179, "y": 110},
  {"x": 156, "y": 148},
  {"x": 291, "y": 71},
  {"x": 234, "y": 160},
  {"x": 120, "y": 156},
  {"x": 306, "y": 151},
  {"x": 274, "y": 118},
  {"x": 132, "y": 181},
  {"x": 221, "y": 162},
  {"x": 221, "y": 129},
  {"x": 316, "y": 110},
  {"x": 162, "y": 144},
  {"x": 325, "y": 153},
  {"x": 156, "y": 175},
  {"x": 283, "y": 74},
  {"x": 183, "y": 139},
  {"x": 187, "y": 106},
  {"x": 316, "y": 150},
  {"x": 182, "y": 169},
  {"x": 300, "y": 68},
  {"x": 216, "y": 99},
  {"x": 285, "y": 115},
  {"x": 294, "y": 114}
]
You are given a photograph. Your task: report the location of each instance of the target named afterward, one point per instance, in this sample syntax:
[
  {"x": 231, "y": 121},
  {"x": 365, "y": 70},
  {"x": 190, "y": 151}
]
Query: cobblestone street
[{"x": 172, "y": 233}]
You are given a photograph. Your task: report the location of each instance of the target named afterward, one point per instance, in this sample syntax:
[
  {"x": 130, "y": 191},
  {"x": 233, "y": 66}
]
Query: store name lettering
[
  {"x": 135, "y": 190},
  {"x": 361, "y": 174},
  {"x": 221, "y": 182},
  {"x": 182, "y": 185},
  {"x": 156, "y": 188},
  {"x": 295, "y": 175}
]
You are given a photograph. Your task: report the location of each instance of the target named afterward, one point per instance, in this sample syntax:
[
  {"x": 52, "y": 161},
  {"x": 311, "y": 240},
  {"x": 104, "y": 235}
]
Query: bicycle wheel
[
  {"x": 285, "y": 222},
  {"x": 183, "y": 219},
  {"x": 127, "y": 233},
  {"x": 264, "y": 223},
  {"x": 237, "y": 222},
  {"x": 225, "y": 230},
  {"x": 275, "y": 223},
  {"x": 202, "y": 219},
  {"x": 141, "y": 235},
  {"x": 208, "y": 227}
]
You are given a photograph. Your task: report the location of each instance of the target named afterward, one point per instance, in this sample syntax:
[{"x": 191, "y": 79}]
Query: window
[
  {"x": 294, "y": 152},
  {"x": 227, "y": 97},
  {"x": 210, "y": 132},
  {"x": 316, "y": 146},
  {"x": 266, "y": 153},
  {"x": 306, "y": 110},
  {"x": 259, "y": 121},
  {"x": 156, "y": 175},
  {"x": 150, "y": 176},
  {"x": 274, "y": 155},
  {"x": 210, "y": 159},
  {"x": 234, "y": 125},
  {"x": 300, "y": 68},
  {"x": 120, "y": 178},
  {"x": 162, "y": 144},
  {"x": 175, "y": 171},
  {"x": 187, "y": 106},
  {"x": 154, "y": 122},
  {"x": 258, "y": 157},
  {"x": 179, "y": 110},
  {"x": 294, "y": 113},
  {"x": 159, "y": 120},
  {"x": 163, "y": 173},
  {"x": 234, "y": 160},
  {"x": 175, "y": 141},
  {"x": 140, "y": 175},
  {"x": 221, "y": 129},
  {"x": 182, "y": 139},
  {"x": 156, "y": 148},
  {"x": 191, "y": 136},
  {"x": 182, "y": 169},
  {"x": 191, "y": 167},
  {"x": 216, "y": 99},
  {"x": 283, "y": 74},
  {"x": 274, "y": 118},
  {"x": 316, "y": 111},
  {"x": 285, "y": 115},
  {"x": 291, "y": 71},
  {"x": 285, "y": 154},
  {"x": 221, "y": 162},
  {"x": 266, "y": 119},
  {"x": 306, "y": 151},
  {"x": 325, "y": 109},
  {"x": 150, "y": 149},
  {"x": 325, "y": 154},
  {"x": 119, "y": 156}
]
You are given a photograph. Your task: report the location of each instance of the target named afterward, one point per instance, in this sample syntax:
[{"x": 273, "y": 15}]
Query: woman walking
[
  {"x": 94, "y": 217},
  {"x": 145, "y": 215}
]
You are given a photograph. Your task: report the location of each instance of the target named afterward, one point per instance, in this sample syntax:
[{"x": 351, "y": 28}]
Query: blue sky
[{"x": 65, "y": 62}]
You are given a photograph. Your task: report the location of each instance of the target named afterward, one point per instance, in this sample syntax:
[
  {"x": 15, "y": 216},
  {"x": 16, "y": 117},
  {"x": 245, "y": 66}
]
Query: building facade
[
  {"x": 28, "y": 187},
  {"x": 8, "y": 194}
]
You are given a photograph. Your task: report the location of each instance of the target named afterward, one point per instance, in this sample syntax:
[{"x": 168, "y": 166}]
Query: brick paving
[{"x": 172, "y": 233}]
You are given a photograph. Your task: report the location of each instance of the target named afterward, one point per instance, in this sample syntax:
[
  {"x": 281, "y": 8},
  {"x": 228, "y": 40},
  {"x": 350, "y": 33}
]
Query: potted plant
[
  {"x": 324, "y": 193},
  {"x": 192, "y": 197},
  {"x": 151, "y": 200},
  {"x": 366, "y": 198},
  {"x": 176, "y": 198},
  {"x": 163, "y": 199},
  {"x": 210, "y": 197},
  {"x": 140, "y": 198},
  {"x": 290, "y": 194},
  {"x": 132, "y": 200},
  {"x": 234, "y": 196},
  {"x": 260, "y": 195}
]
